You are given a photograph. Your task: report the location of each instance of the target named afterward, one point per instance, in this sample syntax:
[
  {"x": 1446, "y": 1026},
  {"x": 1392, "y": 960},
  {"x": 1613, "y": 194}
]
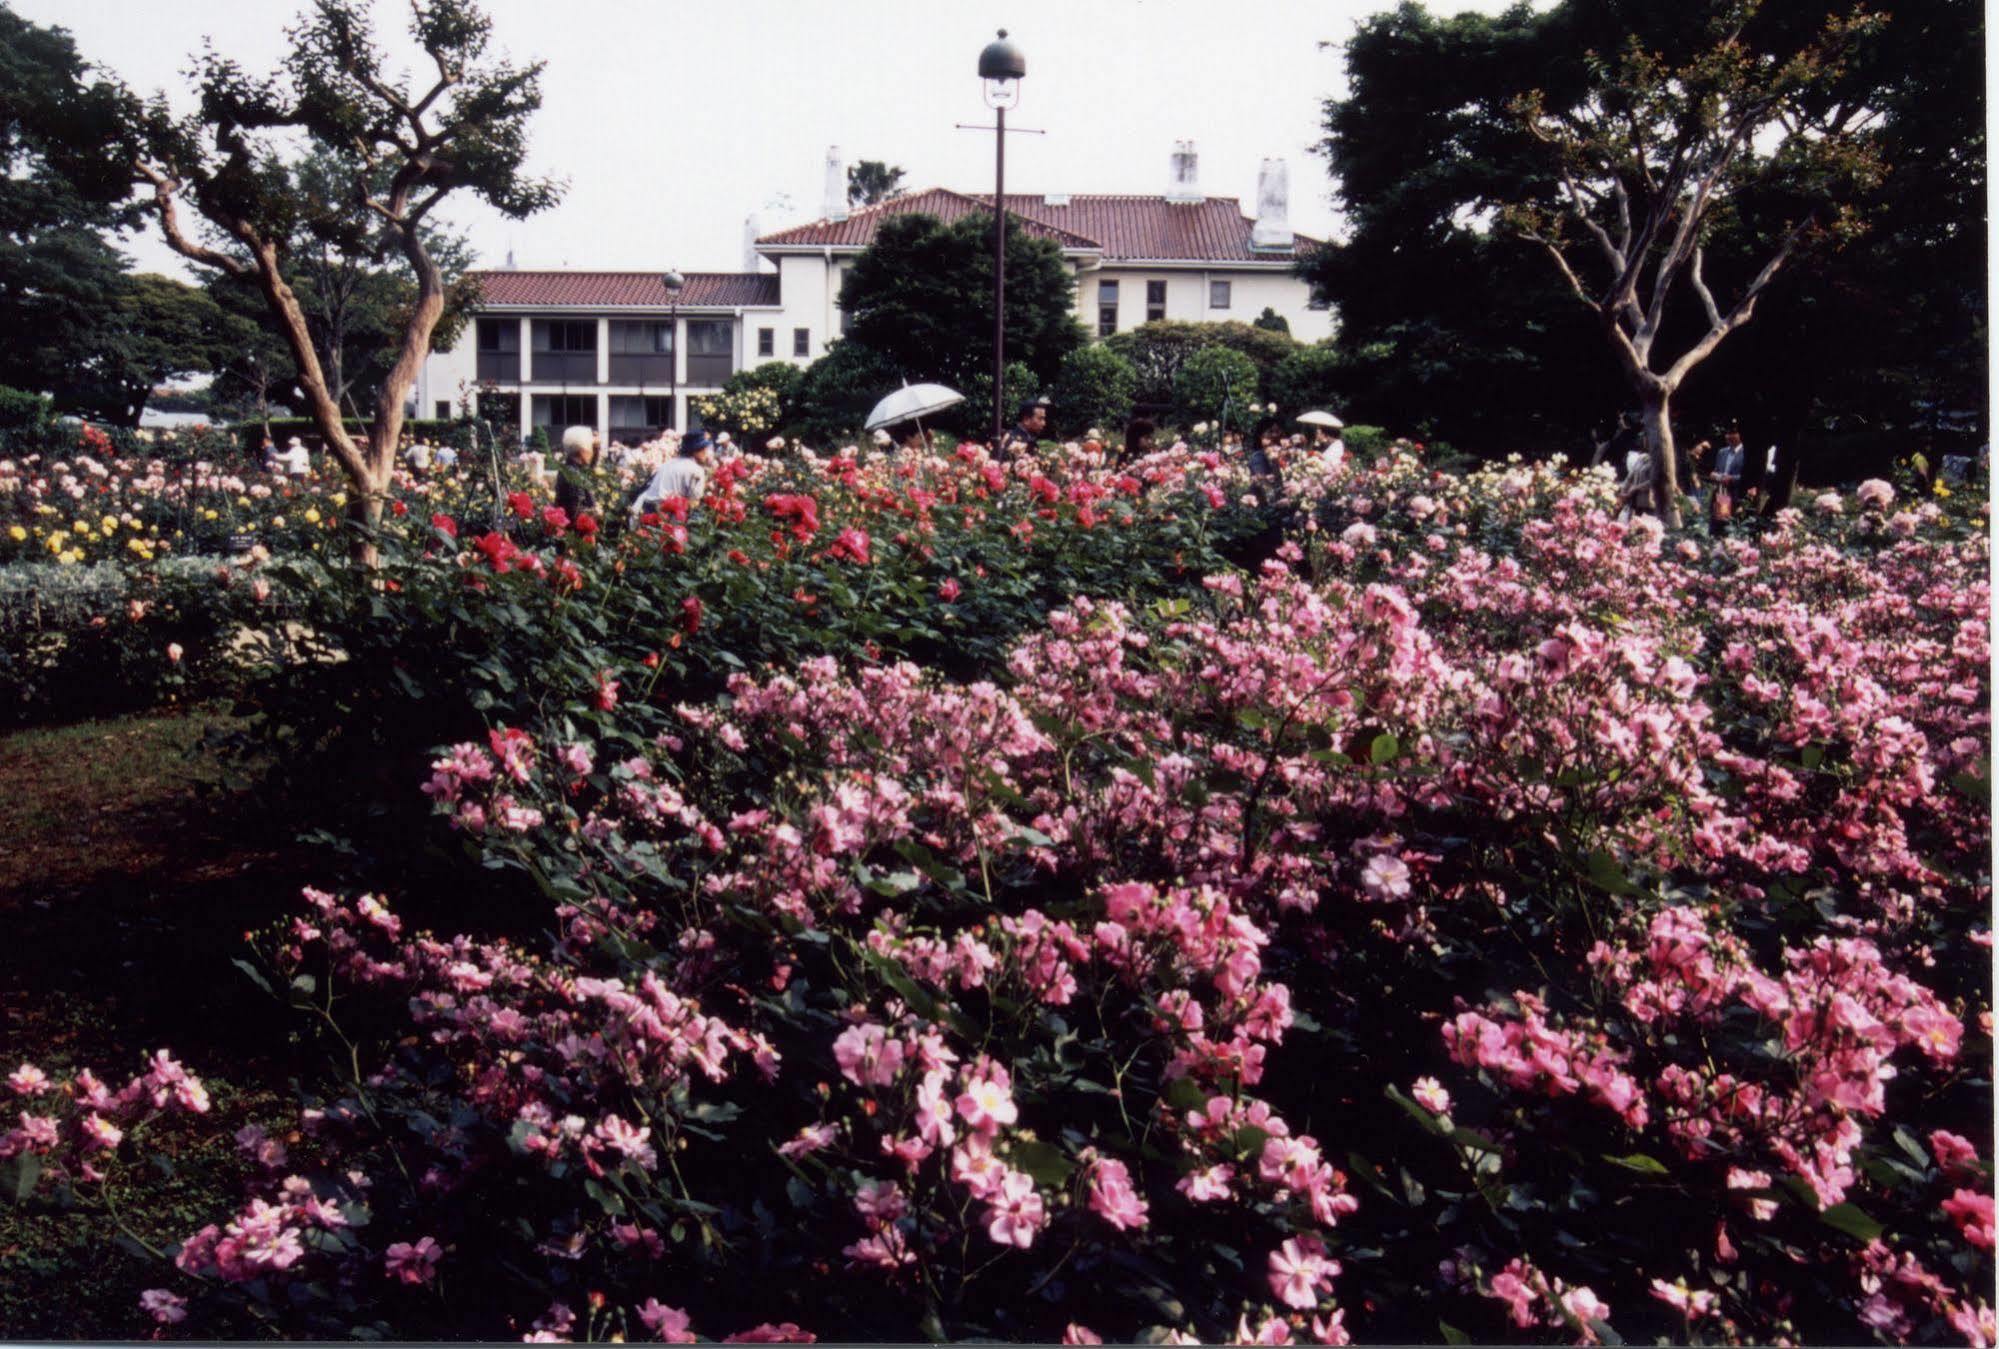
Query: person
[
  {"x": 1332, "y": 447},
  {"x": 267, "y": 456},
  {"x": 1726, "y": 476},
  {"x": 725, "y": 446},
  {"x": 1027, "y": 429},
  {"x": 910, "y": 437},
  {"x": 297, "y": 459},
  {"x": 1616, "y": 451},
  {"x": 446, "y": 456},
  {"x": 683, "y": 475},
  {"x": 418, "y": 456},
  {"x": 1636, "y": 489},
  {"x": 1138, "y": 440},
  {"x": 576, "y": 481},
  {"x": 1263, "y": 457}
]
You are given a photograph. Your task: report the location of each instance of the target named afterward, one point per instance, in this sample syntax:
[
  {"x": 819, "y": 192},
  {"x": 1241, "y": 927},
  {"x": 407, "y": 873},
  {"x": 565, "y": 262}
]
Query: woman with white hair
[{"x": 576, "y": 482}]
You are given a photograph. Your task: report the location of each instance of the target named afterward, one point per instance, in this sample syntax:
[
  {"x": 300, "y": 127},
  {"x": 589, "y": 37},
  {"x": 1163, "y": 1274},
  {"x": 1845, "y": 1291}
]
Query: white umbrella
[
  {"x": 910, "y": 402},
  {"x": 1317, "y": 418}
]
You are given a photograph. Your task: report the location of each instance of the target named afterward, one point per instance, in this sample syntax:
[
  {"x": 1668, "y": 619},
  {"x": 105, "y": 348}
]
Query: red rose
[
  {"x": 444, "y": 525},
  {"x": 690, "y": 614},
  {"x": 521, "y": 504}
]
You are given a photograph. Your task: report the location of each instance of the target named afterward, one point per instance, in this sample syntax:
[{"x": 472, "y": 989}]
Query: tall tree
[
  {"x": 872, "y": 181},
  {"x": 61, "y": 281},
  {"x": 1656, "y": 156},
  {"x": 1451, "y": 321},
  {"x": 404, "y": 151},
  {"x": 356, "y": 301},
  {"x": 922, "y": 297},
  {"x": 159, "y": 330}
]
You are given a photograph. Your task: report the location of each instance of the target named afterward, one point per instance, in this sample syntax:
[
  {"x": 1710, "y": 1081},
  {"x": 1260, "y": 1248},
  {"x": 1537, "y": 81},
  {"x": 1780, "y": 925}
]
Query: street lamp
[
  {"x": 672, "y": 281},
  {"x": 1001, "y": 67}
]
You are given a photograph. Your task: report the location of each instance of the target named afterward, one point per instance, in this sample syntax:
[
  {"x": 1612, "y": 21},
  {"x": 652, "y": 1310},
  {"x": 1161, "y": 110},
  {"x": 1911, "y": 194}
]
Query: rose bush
[{"x": 1490, "y": 921}]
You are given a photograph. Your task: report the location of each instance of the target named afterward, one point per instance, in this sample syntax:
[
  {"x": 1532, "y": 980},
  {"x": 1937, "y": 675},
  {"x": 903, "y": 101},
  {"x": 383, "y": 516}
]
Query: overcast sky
[{"x": 674, "y": 119}]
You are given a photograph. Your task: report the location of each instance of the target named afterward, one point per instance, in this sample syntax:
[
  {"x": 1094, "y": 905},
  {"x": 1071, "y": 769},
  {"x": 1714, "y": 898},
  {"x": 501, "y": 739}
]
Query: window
[
  {"x": 641, "y": 339},
  {"x": 499, "y": 335},
  {"x": 1155, "y": 301},
  {"x": 766, "y": 341},
  {"x": 554, "y": 412},
  {"x": 1106, "y": 308},
  {"x": 444, "y": 409},
  {"x": 1218, "y": 295},
  {"x": 711, "y": 347},
  {"x": 570, "y": 335},
  {"x": 801, "y": 341}
]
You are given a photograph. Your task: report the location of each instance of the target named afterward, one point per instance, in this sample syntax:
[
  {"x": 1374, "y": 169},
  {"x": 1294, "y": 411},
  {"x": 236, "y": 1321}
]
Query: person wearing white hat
[{"x": 297, "y": 459}]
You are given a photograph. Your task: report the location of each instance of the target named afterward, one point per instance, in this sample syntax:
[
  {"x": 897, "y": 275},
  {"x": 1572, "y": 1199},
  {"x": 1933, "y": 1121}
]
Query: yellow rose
[
  {"x": 312, "y": 515},
  {"x": 67, "y": 558},
  {"x": 208, "y": 515},
  {"x": 17, "y": 534},
  {"x": 138, "y": 546},
  {"x": 80, "y": 527},
  {"x": 110, "y": 523}
]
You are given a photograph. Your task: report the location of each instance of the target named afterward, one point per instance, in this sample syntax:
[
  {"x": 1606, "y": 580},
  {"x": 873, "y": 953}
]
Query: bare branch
[
  {"x": 165, "y": 189},
  {"x": 1744, "y": 307}
]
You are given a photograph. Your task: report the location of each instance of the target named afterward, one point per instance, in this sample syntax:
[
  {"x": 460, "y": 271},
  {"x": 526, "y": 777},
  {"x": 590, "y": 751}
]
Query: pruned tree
[
  {"x": 872, "y": 182},
  {"x": 401, "y": 152},
  {"x": 1753, "y": 130}
]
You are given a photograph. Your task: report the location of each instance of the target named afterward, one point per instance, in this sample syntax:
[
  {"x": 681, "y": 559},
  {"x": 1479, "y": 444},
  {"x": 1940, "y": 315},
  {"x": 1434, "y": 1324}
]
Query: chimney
[
  {"x": 753, "y": 225},
  {"x": 1273, "y": 207},
  {"x": 836, "y": 184},
  {"x": 1184, "y": 183}
]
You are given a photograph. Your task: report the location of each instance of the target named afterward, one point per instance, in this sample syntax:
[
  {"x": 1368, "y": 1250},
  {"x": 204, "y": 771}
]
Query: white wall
[{"x": 1187, "y": 298}]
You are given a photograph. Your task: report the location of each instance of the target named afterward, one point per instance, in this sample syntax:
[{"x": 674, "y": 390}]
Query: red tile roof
[
  {"x": 858, "y": 229},
  {"x": 1122, "y": 228},
  {"x": 626, "y": 289}
]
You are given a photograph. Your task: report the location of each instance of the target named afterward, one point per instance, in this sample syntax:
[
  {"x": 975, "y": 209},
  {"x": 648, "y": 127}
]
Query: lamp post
[
  {"x": 1001, "y": 67},
  {"x": 672, "y": 281}
]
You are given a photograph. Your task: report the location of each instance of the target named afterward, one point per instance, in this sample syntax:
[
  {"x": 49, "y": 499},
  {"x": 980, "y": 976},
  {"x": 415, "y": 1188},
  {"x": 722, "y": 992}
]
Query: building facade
[{"x": 607, "y": 349}]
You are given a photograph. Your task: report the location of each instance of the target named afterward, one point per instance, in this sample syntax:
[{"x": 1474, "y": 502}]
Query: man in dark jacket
[{"x": 1027, "y": 429}]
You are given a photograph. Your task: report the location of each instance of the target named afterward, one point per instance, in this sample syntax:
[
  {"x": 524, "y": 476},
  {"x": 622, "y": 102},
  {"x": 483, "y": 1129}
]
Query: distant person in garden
[
  {"x": 684, "y": 475},
  {"x": 1265, "y": 451},
  {"x": 1027, "y": 429},
  {"x": 268, "y": 457},
  {"x": 910, "y": 437},
  {"x": 1724, "y": 479},
  {"x": 298, "y": 459},
  {"x": 418, "y": 456},
  {"x": 1138, "y": 441},
  {"x": 1636, "y": 489},
  {"x": 576, "y": 481},
  {"x": 1331, "y": 446},
  {"x": 1616, "y": 450},
  {"x": 446, "y": 456}
]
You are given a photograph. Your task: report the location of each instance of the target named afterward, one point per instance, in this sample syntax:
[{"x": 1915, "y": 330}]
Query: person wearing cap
[
  {"x": 297, "y": 459},
  {"x": 684, "y": 475},
  {"x": 1027, "y": 429}
]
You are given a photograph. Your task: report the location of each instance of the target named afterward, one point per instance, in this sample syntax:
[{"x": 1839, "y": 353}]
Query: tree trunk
[
  {"x": 364, "y": 515},
  {"x": 1656, "y": 412}
]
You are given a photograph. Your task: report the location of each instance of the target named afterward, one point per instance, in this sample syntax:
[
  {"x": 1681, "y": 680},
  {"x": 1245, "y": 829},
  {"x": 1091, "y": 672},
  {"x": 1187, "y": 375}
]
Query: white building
[{"x": 604, "y": 348}]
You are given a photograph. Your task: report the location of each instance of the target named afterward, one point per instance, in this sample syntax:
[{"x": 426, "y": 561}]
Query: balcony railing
[
  {"x": 641, "y": 369},
  {"x": 709, "y": 372},
  {"x": 502, "y": 367},
  {"x": 567, "y": 367}
]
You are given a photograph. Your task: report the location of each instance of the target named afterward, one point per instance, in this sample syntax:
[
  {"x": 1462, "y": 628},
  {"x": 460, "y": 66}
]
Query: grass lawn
[{"x": 127, "y": 881}]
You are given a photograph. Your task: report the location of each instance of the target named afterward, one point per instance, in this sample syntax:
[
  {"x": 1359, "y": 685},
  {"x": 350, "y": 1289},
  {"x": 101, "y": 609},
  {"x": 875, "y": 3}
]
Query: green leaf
[
  {"x": 1811, "y": 757},
  {"x": 606, "y": 1198},
  {"x": 1384, "y": 748},
  {"x": 1608, "y": 875},
  {"x": 1186, "y": 1094},
  {"x": 256, "y": 976},
  {"x": 1043, "y": 1161},
  {"x": 1850, "y": 1219},
  {"x": 27, "y": 1169},
  {"x": 1639, "y": 1162},
  {"x": 1451, "y": 1334}
]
